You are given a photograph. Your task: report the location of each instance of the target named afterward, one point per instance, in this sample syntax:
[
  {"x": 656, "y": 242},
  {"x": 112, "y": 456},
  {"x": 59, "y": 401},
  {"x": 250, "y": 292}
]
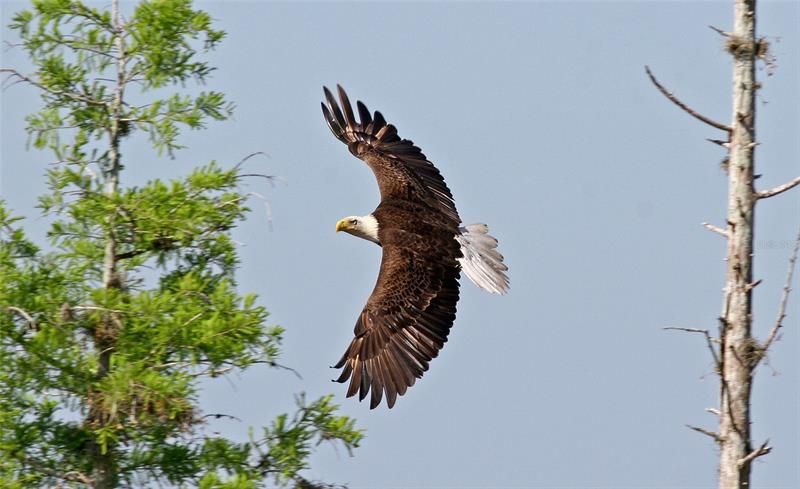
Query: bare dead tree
[{"x": 736, "y": 353}]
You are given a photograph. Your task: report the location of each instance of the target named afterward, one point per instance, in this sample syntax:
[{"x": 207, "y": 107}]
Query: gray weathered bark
[{"x": 738, "y": 350}]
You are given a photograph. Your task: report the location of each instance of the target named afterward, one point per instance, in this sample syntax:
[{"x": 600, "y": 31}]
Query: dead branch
[
  {"x": 271, "y": 178},
  {"x": 672, "y": 98},
  {"x": 764, "y": 449},
  {"x": 687, "y": 330},
  {"x": 267, "y": 207},
  {"x": 31, "y": 322},
  {"x": 251, "y": 155},
  {"x": 284, "y": 367},
  {"x": 719, "y": 142},
  {"x": 753, "y": 285},
  {"x": 713, "y": 411},
  {"x": 716, "y": 229},
  {"x": 719, "y": 31},
  {"x": 712, "y": 434},
  {"x": 710, "y": 340},
  {"x": 765, "y": 194},
  {"x": 787, "y": 288}
]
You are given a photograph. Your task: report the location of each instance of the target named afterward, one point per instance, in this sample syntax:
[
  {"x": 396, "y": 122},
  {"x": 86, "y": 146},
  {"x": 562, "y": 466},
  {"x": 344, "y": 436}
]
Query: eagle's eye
[{"x": 353, "y": 221}]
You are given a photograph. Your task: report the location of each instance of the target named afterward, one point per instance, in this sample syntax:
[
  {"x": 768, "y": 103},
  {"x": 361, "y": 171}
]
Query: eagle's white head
[{"x": 365, "y": 227}]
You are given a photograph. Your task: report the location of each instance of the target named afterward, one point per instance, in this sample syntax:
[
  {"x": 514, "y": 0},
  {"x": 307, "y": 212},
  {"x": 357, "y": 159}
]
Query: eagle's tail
[{"x": 481, "y": 261}]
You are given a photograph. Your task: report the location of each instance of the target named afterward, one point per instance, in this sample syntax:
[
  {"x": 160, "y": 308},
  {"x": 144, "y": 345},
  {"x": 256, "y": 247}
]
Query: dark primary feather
[
  {"x": 408, "y": 316},
  {"x": 400, "y": 167}
]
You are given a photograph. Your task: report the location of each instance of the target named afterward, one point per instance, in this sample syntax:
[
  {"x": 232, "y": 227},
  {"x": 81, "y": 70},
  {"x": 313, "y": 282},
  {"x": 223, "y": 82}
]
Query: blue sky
[{"x": 542, "y": 121}]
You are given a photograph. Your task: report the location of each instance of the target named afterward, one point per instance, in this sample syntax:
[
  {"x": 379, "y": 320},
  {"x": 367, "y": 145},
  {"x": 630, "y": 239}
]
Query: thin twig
[
  {"x": 787, "y": 288},
  {"x": 243, "y": 160},
  {"x": 765, "y": 194},
  {"x": 710, "y": 340},
  {"x": 706, "y": 432},
  {"x": 58, "y": 93},
  {"x": 719, "y": 31},
  {"x": 683, "y": 106},
  {"x": 76, "y": 46},
  {"x": 753, "y": 285},
  {"x": 31, "y": 322},
  {"x": 267, "y": 207},
  {"x": 716, "y": 229},
  {"x": 758, "y": 452},
  {"x": 719, "y": 142},
  {"x": 284, "y": 367},
  {"x": 687, "y": 330},
  {"x": 271, "y": 178},
  {"x": 10, "y": 45},
  {"x": 221, "y": 415},
  {"x": 713, "y": 411}
]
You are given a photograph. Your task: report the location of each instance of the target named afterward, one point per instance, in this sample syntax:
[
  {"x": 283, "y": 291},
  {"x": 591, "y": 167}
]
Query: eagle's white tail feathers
[{"x": 481, "y": 261}]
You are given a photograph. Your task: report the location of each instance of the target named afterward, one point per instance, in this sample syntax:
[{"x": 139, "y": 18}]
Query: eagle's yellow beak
[{"x": 342, "y": 225}]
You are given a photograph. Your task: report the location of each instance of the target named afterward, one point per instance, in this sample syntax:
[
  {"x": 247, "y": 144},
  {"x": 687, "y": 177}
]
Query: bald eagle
[{"x": 409, "y": 314}]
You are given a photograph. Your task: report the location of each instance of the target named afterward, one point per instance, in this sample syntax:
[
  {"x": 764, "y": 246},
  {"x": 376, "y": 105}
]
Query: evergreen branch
[
  {"x": 92, "y": 16},
  {"x": 56, "y": 93},
  {"x": 166, "y": 336},
  {"x": 73, "y": 43},
  {"x": 96, "y": 308},
  {"x": 70, "y": 476},
  {"x": 19, "y": 340}
]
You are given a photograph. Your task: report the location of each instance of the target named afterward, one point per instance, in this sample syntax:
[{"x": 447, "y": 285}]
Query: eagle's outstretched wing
[
  {"x": 402, "y": 170},
  {"x": 408, "y": 317}
]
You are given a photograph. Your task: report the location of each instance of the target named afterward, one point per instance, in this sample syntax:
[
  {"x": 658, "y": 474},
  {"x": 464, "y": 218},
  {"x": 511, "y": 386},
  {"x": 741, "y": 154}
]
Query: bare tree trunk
[{"x": 739, "y": 351}]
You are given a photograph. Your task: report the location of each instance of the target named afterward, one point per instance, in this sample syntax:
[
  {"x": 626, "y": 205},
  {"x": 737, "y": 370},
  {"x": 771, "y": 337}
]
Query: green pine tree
[{"x": 100, "y": 357}]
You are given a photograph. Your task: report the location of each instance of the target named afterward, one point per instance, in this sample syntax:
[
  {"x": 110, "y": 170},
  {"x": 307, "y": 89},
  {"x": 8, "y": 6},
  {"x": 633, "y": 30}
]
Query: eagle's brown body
[{"x": 408, "y": 317}]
